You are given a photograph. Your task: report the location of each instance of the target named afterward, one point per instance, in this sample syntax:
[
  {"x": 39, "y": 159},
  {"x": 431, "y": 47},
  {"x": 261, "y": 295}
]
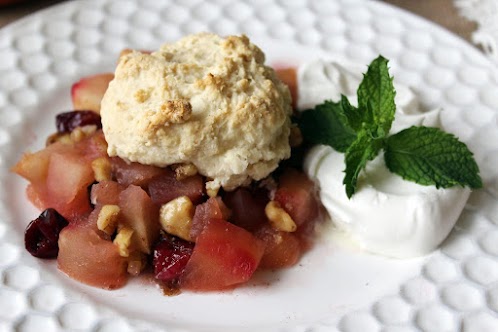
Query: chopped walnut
[
  {"x": 183, "y": 171},
  {"x": 212, "y": 192},
  {"x": 123, "y": 241},
  {"x": 279, "y": 218},
  {"x": 79, "y": 133},
  {"x": 58, "y": 137},
  {"x": 176, "y": 217},
  {"x": 107, "y": 219},
  {"x": 102, "y": 169}
]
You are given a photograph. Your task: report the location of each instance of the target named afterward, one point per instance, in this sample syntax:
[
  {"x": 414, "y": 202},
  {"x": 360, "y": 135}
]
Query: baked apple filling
[{"x": 200, "y": 200}]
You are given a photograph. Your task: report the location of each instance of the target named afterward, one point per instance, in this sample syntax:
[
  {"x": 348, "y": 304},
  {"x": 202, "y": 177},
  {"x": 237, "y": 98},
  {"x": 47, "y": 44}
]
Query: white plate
[{"x": 334, "y": 288}]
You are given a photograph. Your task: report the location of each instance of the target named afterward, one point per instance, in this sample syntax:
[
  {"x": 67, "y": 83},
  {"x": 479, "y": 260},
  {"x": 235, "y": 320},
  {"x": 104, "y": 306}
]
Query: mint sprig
[
  {"x": 427, "y": 156},
  {"x": 376, "y": 97},
  {"x": 362, "y": 150},
  {"x": 328, "y": 124}
]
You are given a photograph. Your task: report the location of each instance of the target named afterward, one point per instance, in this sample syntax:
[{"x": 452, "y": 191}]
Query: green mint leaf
[
  {"x": 353, "y": 115},
  {"x": 376, "y": 97},
  {"x": 363, "y": 149},
  {"x": 327, "y": 124},
  {"x": 430, "y": 156}
]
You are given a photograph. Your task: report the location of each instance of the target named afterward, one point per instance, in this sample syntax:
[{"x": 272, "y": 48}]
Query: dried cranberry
[
  {"x": 171, "y": 255},
  {"x": 42, "y": 234},
  {"x": 66, "y": 122}
]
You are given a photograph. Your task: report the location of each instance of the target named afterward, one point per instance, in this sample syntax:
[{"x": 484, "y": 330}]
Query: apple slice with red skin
[
  {"x": 282, "y": 249},
  {"x": 60, "y": 174},
  {"x": 288, "y": 75},
  {"x": 134, "y": 173},
  {"x": 224, "y": 255},
  {"x": 106, "y": 192},
  {"x": 88, "y": 92},
  {"x": 34, "y": 166},
  {"x": 89, "y": 258},
  {"x": 67, "y": 181},
  {"x": 165, "y": 187},
  {"x": 296, "y": 194},
  {"x": 140, "y": 214},
  {"x": 61, "y": 180},
  {"x": 213, "y": 208}
]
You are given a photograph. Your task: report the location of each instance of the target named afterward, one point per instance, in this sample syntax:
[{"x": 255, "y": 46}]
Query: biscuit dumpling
[{"x": 203, "y": 100}]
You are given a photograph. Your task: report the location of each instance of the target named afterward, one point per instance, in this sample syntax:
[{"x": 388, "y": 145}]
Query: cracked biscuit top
[{"x": 203, "y": 100}]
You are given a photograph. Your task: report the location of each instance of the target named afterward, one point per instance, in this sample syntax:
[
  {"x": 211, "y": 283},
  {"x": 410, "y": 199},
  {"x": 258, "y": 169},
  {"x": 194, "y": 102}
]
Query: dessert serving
[
  {"x": 179, "y": 164},
  {"x": 180, "y": 174}
]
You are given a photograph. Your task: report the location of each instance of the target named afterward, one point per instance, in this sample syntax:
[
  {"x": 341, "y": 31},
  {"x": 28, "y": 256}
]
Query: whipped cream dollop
[{"x": 387, "y": 215}]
